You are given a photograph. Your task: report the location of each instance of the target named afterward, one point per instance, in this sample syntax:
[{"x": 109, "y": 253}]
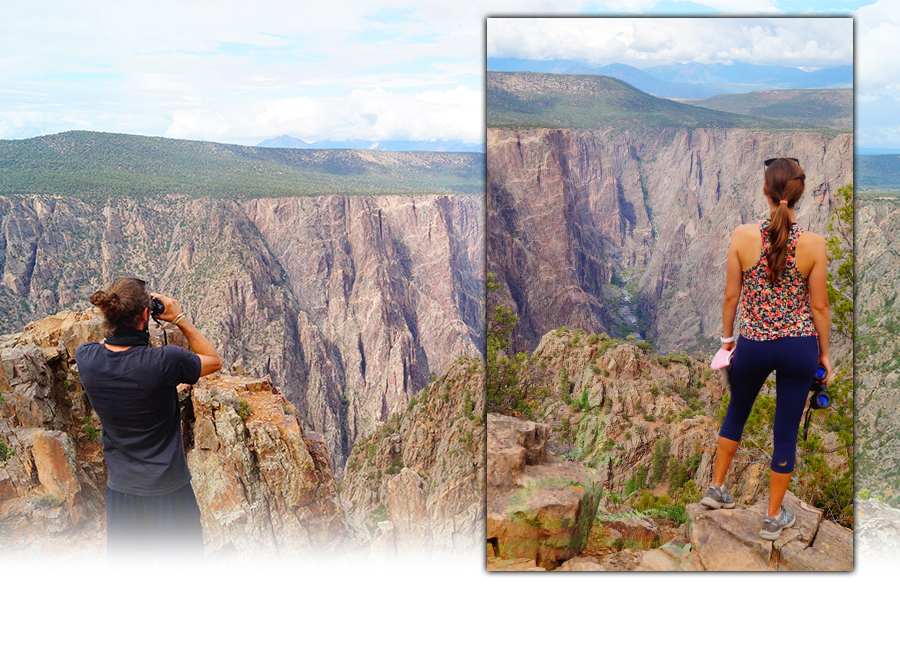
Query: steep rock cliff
[
  {"x": 877, "y": 348},
  {"x": 420, "y": 477},
  {"x": 627, "y": 230},
  {"x": 349, "y": 304}
]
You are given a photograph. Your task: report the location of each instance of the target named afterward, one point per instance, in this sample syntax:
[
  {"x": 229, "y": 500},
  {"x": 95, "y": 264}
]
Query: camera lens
[{"x": 156, "y": 307}]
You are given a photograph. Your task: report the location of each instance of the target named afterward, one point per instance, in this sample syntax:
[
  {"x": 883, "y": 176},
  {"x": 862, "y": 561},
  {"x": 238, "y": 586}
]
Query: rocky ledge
[
  {"x": 264, "y": 486},
  {"x": 544, "y": 514}
]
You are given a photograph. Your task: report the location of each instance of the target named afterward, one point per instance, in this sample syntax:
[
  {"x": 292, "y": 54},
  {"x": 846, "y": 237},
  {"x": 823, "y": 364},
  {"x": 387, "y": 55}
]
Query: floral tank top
[{"x": 769, "y": 311}]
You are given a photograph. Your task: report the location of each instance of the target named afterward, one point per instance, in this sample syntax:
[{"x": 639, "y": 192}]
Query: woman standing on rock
[
  {"x": 778, "y": 271},
  {"x": 150, "y": 505}
]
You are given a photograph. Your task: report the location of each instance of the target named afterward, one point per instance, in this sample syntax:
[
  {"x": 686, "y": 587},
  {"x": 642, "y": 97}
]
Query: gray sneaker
[
  {"x": 772, "y": 526},
  {"x": 716, "y": 497}
]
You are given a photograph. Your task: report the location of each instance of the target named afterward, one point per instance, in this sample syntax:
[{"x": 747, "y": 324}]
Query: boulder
[
  {"x": 670, "y": 558},
  {"x": 514, "y": 565},
  {"x": 581, "y": 564},
  {"x": 54, "y": 458}
]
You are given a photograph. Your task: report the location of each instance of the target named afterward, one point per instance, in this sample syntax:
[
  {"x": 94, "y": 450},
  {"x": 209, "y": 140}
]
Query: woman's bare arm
[
  {"x": 818, "y": 297},
  {"x": 734, "y": 277}
]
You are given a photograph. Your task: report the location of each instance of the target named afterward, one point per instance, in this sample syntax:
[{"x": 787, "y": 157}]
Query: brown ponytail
[
  {"x": 122, "y": 303},
  {"x": 784, "y": 181}
]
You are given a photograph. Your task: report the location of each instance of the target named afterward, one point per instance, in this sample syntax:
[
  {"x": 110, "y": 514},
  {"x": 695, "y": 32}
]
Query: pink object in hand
[{"x": 722, "y": 358}]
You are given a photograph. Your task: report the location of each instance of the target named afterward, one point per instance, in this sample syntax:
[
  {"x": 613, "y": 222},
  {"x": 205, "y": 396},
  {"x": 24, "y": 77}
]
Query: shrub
[
  {"x": 5, "y": 451},
  {"x": 658, "y": 459},
  {"x": 564, "y": 387},
  {"x": 645, "y": 346},
  {"x": 243, "y": 409},
  {"x": 654, "y": 391},
  {"x": 92, "y": 433}
]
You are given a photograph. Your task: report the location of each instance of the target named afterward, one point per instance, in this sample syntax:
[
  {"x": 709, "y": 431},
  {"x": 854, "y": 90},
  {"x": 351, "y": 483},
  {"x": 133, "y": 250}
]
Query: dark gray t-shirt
[{"x": 134, "y": 394}]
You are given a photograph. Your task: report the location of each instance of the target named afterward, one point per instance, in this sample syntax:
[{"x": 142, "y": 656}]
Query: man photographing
[{"x": 150, "y": 505}]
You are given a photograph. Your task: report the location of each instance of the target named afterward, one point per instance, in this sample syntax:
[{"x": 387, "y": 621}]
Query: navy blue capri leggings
[{"x": 794, "y": 360}]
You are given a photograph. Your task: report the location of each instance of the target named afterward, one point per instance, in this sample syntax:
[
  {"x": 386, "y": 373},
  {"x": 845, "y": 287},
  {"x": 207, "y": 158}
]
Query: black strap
[
  {"x": 806, "y": 424},
  {"x": 129, "y": 337}
]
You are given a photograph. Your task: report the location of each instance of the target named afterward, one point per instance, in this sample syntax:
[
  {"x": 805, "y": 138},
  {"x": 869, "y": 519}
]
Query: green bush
[
  {"x": 585, "y": 405},
  {"x": 659, "y": 458},
  {"x": 5, "y": 451},
  {"x": 92, "y": 433}
]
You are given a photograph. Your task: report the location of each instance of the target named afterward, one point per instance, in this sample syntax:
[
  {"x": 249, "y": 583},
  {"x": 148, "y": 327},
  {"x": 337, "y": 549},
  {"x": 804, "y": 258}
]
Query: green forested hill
[
  {"x": 93, "y": 166},
  {"x": 592, "y": 101}
]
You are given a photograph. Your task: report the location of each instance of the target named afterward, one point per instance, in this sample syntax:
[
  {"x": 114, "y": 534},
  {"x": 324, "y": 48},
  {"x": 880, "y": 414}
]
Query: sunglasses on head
[{"x": 771, "y": 160}]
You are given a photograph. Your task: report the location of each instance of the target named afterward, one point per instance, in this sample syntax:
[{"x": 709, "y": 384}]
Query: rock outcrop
[
  {"x": 416, "y": 485},
  {"x": 877, "y": 528},
  {"x": 263, "y": 485},
  {"x": 627, "y": 230},
  {"x": 349, "y": 304},
  {"x": 537, "y": 510},
  {"x": 728, "y": 540}
]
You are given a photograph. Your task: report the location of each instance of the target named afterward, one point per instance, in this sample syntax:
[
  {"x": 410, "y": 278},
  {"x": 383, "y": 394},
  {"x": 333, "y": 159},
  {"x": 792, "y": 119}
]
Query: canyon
[
  {"x": 264, "y": 483},
  {"x": 587, "y": 224},
  {"x": 349, "y": 304}
]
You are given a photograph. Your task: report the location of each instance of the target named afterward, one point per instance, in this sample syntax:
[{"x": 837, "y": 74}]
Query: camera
[
  {"x": 156, "y": 307},
  {"x": 820, "y": 398}
]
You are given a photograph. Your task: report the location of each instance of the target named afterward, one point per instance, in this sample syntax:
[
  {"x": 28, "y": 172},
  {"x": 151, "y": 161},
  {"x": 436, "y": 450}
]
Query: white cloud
[
  {"x": 364, "y": 114},
  {"x": 788, "y": 41}
]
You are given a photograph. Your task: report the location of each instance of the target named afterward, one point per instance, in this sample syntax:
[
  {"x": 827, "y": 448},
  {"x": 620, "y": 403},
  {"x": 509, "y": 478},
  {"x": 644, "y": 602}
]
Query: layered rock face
[
  {"x": 263, "y": 485},
  {"x": 877, "y": 348},
  {"x": 349, "y": 304},
  {"x": 572, "y": 211},
  {"x": 416, "y": 486}
]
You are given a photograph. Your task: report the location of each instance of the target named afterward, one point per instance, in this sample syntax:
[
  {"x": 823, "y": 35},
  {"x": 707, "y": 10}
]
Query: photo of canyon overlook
[
  {"x": 612, "y": 194},
  {"x": 343, "y": 289}
]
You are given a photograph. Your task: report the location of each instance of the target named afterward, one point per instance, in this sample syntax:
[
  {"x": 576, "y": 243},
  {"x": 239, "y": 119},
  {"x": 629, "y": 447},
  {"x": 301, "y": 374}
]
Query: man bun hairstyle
[
  {"x": 122, "y": 303},
  {"x": 785, "y": 181}
]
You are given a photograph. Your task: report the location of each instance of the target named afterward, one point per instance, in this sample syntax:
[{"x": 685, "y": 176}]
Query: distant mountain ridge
[
  {"x": 828, "y": 108},
  {"x": 878, "y": 172},
  {"x": 690, "y": 80},
  {"x": 440, "y": 146},
  {"x": 547, "y": 100}
]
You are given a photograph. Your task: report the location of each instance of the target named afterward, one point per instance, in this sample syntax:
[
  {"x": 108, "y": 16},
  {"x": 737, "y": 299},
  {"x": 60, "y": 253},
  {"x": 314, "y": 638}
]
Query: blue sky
[{"x": 232, "y": 71}]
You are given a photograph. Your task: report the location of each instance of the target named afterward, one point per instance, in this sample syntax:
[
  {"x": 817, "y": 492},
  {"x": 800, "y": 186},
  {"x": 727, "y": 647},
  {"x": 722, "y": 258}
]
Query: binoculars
[
  {"x": 156, "y": 307},
  {"x": 819, "y": 399}
]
